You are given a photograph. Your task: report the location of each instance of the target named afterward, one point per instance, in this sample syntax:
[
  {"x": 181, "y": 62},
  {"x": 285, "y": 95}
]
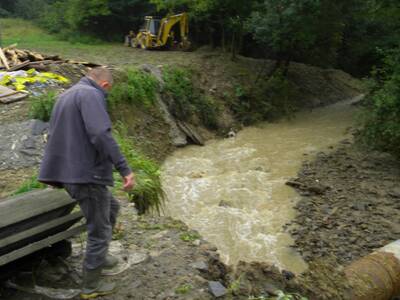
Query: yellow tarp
[{"x": 19, "y": 82}]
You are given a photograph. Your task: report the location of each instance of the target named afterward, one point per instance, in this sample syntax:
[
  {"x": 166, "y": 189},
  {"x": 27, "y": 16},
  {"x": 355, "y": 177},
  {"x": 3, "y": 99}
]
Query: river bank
[{"x": 349, "y": 205}]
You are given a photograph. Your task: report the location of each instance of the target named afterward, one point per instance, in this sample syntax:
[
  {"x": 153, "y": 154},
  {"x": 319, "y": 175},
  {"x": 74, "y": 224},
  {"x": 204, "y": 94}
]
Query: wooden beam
[
  {"x": 25, "y": 206},
  {"x": 14, "y": 255},
  {"x": 4, "y": 59},
  {"x": 20, "y": 66},
  {"x": 41, "y": 228}
]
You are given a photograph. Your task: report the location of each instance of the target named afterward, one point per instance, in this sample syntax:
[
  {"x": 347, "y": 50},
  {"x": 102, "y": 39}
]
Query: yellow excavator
[{"x": 169, "y": 32}]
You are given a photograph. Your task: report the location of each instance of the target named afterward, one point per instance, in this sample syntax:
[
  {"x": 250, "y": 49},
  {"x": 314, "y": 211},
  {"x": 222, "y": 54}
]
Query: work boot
[
  {"x": 110, "y": 262},
  {"x": 93, "y": 287}
]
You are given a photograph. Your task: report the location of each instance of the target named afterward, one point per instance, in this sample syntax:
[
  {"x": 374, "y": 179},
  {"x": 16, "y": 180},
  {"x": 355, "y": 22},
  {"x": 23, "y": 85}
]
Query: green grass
[
  {"x": 187, "y": 100},
  {"x": 148, "y": 194},
  {"x": 189, "y": 236},
  {"x": 183, "y": 289},
  {"x": 134, "y": 87},
  {"x": 42, "y": 106},
  {"x": 29, "y": 185}
]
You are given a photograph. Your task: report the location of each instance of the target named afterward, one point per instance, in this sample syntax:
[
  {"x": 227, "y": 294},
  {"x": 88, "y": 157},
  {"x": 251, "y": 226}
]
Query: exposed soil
[{"x": 350, "y": 204}]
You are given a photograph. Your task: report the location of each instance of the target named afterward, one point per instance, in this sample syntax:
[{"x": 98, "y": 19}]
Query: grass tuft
[
  {"x": 29, "y": 185},
  {"x": 148, "y": 194},
  {"x": 187, "y": 100},
  {"x": 134, "y": 87},
  {"x": 42, "y": 106}
]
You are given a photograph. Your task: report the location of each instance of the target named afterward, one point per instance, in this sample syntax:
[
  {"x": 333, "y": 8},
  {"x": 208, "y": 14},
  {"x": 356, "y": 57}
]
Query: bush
[
  {"x": 382, "y": 114},
  {"x": 29, "y": 185},
  {"x": 4, "y": 13},
  {"x": 42, "y": 106},
  {"x": 270, "y": 99},
  {"x": 186, "y": 99},
  {"x": 179, "y": 86},
  {"x": 148, "y": 194},
  {"x": 134, "y": 87}
]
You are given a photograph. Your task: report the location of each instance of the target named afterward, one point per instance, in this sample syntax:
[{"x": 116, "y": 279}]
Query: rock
[
  {"x": 39, "y": 127},
  {"x": 200, "y": 265},
  {"x": 271, "y": 289},
  {"x": 217, "y": 289},
  {"x": 136, "y": 284}
]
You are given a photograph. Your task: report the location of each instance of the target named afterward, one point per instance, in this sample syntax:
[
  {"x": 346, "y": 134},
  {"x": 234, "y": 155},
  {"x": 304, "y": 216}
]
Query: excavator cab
[
  {"x": 151, "y": 25},
  {"x": 168, "y": 32}
]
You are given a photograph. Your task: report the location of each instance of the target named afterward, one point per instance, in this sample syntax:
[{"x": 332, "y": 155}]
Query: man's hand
[{"x": 129, "y": 182}]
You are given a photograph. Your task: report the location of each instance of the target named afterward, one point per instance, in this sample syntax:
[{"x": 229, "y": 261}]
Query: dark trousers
[{"x": 100, "y": 210}]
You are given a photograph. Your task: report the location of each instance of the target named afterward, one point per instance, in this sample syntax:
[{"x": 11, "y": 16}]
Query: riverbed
[{"x": 233, "y": 190}]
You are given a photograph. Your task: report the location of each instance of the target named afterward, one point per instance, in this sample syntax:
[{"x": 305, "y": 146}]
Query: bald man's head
[{"x": 102, "y": 76}]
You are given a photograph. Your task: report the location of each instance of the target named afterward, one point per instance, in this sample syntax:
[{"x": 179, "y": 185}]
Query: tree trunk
[{"x": 233, "y": 47}]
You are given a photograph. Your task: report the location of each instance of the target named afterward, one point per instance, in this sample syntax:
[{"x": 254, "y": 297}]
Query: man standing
[{"x": 80, "y": 155}]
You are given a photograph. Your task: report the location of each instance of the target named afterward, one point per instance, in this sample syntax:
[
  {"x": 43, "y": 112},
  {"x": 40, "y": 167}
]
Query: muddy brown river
[{"x": 233, "y": 190}]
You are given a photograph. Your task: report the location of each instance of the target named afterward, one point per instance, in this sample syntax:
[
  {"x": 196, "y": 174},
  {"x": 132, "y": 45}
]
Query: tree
[{"x": 284, "y": 28}]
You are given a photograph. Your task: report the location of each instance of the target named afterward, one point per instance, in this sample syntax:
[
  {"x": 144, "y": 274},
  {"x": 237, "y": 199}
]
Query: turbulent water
[{"x": 233, "y": 190}]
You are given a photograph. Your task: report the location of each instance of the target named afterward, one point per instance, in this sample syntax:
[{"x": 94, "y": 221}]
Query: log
[
  {"x": 20, "y": 66},
  {"x": 4, "y": 59},
  {"x": 12, "y": 46}
]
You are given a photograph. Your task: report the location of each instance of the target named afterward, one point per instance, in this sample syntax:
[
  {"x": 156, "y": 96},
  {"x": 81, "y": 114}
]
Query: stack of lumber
[{"x": 12, "y": 59}]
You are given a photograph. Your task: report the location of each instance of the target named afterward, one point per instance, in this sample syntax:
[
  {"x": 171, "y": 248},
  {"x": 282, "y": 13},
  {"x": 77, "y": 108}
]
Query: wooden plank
[
  {"x": 5, "y": 91},
  {"x": 4, "y": 59},
  {"x": 12, "y": 46},
  {"x": 191, "y": 132},
  {"x": 20, "y": 66},
  {"x": 41, "y": 228},
  {"x": 14, "y": 255},
  {"x": 14, "y": 98},
  {"x": 25, "y": 206}
]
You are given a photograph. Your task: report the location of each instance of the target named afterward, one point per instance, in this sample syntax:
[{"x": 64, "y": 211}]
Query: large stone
[{"x": 217, "y": 289}]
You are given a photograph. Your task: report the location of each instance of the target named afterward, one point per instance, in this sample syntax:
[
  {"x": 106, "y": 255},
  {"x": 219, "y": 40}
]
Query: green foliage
[
  {"x": 134, "y": 87},
  {"x": 30, "y": 9},
  {"x": 283, "y": 26},
  {"x": 178, "y": 85},
  {"x": 382, "y": 114},
  {"x": 281, "y": 296},
  {"x": 186, "y": 99},
  {"x": 42, "y": 106},
  {"x": 189, "y": 236},
  {"x": 4, "y": 13},
  {"x": 29, "y": 185},
  {"x": 269, "y": 99},
  {"x": 148, "y": 194},
  {"x": 183, "y": 289}
]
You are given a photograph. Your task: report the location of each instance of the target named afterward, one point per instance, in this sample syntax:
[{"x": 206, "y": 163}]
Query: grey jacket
[{"x": 80, "y": 147}]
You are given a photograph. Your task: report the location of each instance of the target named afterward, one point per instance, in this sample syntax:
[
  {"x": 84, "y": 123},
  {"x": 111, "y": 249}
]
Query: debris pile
[
  {"x": 25, "y": 72},
  {"x": 13, "y": 59}
]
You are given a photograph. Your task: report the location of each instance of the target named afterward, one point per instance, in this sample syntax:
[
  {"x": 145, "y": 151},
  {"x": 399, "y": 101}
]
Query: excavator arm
[{"x": 166, "y": 25}]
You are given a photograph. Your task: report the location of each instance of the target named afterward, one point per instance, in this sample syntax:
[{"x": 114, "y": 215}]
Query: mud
[{"x": 350, "y": 204}]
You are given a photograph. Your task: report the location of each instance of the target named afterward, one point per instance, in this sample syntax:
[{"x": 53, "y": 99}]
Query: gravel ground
[{"x": 350, "y": 204}]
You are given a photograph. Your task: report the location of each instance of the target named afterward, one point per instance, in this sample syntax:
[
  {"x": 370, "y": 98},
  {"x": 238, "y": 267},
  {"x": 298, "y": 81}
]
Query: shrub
[
  {"x": 134, "y": 87},
  {"x": 29, "y": 185},
  {"x": 273, "y": 98},
  {"x": 187, "y": 100},
  {"x": 179, "y": 86},
  {"x": 148, "y": 194},
  {"x": 42, "y": 106},
  {"x": 382, "y": 114}
]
